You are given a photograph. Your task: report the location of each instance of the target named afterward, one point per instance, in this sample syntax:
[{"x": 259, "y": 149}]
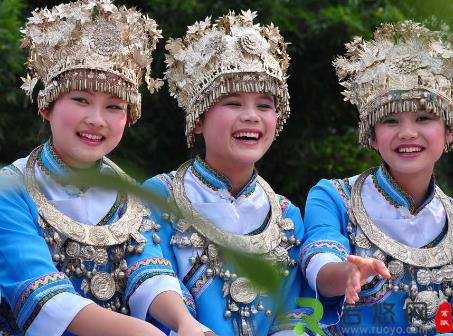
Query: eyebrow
[
  {"x": 268, "y": 97},
  {"x": 91, "y": 93}
]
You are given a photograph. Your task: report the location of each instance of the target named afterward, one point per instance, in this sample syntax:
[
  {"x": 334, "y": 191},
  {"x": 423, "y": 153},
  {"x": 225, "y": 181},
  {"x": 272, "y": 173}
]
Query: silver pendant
[
  {"x": 242, "y": 291},
  {"x": 102, "y": 286}
]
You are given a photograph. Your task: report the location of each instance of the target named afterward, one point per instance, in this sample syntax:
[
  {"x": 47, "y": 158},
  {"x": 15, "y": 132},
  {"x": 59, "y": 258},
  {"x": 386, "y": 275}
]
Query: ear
[
  {"x": 373, "y": 143},
  {"x": 44, "y": 113},
  {"x": 449, "y": 137},
  {"x": 198, "y": 128}
]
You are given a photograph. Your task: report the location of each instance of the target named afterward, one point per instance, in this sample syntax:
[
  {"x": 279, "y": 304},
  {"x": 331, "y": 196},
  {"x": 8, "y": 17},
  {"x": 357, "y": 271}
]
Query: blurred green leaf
[{"x": 258, "y": 270}]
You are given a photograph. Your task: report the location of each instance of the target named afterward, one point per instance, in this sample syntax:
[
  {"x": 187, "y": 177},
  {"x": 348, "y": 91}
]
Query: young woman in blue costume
[
  {"x": 84, "y": 261},
  {"x": 385, "y": 236},
  {"x": 230, "y": 79}
]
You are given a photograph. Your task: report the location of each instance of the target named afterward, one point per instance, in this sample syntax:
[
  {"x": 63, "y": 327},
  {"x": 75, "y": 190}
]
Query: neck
[
  {"x": 238, "y": 175},
  {"x": 415, "y": 185},
  {"x": 72, "y": 164}
]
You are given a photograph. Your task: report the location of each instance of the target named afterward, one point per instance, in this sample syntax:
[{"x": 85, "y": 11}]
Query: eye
[
  {"x": 232, "y": 103},
  {"x": 79, "y": 99},
  {"x": 115, "y": 107},
  {"x": 389, "y": 120},
  {"x": 424, "y": 117},
  {"x": 266, "y": 106}
]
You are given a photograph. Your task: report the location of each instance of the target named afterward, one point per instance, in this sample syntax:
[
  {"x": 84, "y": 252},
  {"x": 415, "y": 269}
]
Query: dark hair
[{"x": 199, "y": 146}]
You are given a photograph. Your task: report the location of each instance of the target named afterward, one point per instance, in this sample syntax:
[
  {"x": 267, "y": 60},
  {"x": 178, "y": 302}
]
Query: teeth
[
  {"x": 247, "y": 134},
  {"x": 409, "y": 149},
  {"x": 91, "y": 136}
]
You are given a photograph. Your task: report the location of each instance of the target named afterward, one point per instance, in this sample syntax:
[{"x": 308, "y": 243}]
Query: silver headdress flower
[
  {"x": 406, "y": 67},
  {"x": 231, "y": 55},
  {"x": 90, "y": 45}
]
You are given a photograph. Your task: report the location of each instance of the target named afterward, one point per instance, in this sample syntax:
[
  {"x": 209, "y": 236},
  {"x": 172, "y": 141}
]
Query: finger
[
  {"x": 380, "y": 268},
  {"x": 351, "y": 295},
  {"x": 358, "y": 261}
]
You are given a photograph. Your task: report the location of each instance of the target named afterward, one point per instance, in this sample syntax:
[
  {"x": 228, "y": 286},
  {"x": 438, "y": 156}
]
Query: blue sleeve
[
  {"x": 326, "y": 219},
  {"x": 161, "y": 186},
  {"x": 28, "y": 277}
]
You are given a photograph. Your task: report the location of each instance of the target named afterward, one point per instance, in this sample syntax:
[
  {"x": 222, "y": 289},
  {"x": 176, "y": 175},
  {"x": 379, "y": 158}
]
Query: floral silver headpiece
[
  {"x": 406, "y": 67},
  {"x": 90, "y": 45},
  {"x": 231, "y": 55}
]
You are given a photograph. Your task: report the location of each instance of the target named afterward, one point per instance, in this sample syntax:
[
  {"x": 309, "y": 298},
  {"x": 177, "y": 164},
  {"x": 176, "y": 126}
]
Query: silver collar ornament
[
  {"x": 272, "y": 243},
  {"x": 83, "y": 250},
  {"x": 427, "y": 267}
]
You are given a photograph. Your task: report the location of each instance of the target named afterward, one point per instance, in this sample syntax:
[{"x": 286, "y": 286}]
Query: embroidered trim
[
  {"x": 166, "y": 179},
  {"x": 321, "y": 246},
  {"x": 394, "y": 194},
  {"x": 284, "y": 204},
  {"x": 438, "y": 239},
  {"x": 387, "y": 181},
  {"x": 10, "y": 170},
  {"x": 199, "y": 281},
  {"x": 289, "y": 320},
  {"x": 262, "y": 226},
  {"x": 343, "y": 188},
  {"x": 120, "y": 204},
  {"x": 145, "y": 269},
  {"x": 209, "y": 176},
  {"x": 375, "y": 298},
  {"x": 188, "y": 300},
  {"x": 33, "y": 297},
  {"x": 249, "y": 187},
  {"x": 215, "y": 180},
  {"x": 148, "y": 262}
]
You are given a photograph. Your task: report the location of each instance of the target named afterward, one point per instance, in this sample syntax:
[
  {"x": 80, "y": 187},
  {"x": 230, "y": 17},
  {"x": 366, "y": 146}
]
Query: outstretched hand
[{"x": 360, "y": 269}]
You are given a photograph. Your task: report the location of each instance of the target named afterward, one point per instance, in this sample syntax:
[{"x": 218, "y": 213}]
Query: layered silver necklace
[
  {"x": 425, "y": 267},
  {"x": 83, "y": 250},
  {"x": 272, "y": 243}
]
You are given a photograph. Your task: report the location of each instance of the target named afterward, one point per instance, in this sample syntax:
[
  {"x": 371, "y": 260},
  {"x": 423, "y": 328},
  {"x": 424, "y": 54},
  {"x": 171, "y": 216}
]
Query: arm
[
  {"x": 169, "y": 309},
  {"x": 349, "y": 276},
  {"x": 326, "y": 240},
  {"x": 95, "y": 320},
  {"x": 157, "y": 289},
  {"x": 43, "y": 299},
  {"x": 327, "y": 246}
]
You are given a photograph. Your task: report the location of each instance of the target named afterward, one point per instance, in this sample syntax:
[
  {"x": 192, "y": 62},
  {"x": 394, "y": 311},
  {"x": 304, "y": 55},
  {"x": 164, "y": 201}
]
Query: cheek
[
  {"x": 62, "y": 120},
  {"x": 271, "y": 121},
  {"x": 118, "y": 124}
]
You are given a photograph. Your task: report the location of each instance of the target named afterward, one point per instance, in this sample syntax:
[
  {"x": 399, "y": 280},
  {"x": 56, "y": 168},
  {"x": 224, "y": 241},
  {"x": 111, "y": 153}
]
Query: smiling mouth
[
  {"x": 247, "y": 136},
  {"x": 91, "y": 137},
  {"x": 409, "y": 150}
]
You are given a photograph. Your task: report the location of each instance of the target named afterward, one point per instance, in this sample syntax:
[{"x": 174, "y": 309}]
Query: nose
[
  {"x": 250, "y": 114},
  {"x": 95, "y": 116},
  {"x": 408, "y": 130}
]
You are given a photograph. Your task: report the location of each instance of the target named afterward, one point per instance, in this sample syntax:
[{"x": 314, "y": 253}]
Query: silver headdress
[
  {"x": 90, "y": 45},
  {"x": 406, "y": 67},
  {"x": 231, "y": 55}
]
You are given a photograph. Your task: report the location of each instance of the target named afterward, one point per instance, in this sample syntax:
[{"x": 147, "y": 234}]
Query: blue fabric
[
  {"x": 380, "y": 310},
  {"x": 28, "y": 276},
  {"x": 210, "y": 305}
]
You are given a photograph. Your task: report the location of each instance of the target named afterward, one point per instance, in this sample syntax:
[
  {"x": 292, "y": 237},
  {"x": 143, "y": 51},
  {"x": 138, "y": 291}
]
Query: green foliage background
[{"x": 319, "y": 139}]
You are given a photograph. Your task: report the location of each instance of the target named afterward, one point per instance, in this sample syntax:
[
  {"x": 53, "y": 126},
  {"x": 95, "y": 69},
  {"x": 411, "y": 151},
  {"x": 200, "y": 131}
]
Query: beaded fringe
[
  {"x": 244, "y": 83},
  {"x": 118, "y": 88},
  {"x": 429, "y": 101}
]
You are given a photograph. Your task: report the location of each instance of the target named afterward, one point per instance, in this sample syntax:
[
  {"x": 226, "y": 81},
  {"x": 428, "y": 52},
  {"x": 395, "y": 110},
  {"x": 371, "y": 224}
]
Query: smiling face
[
  {"x": 238, "y": 130},
  {"x": 86, "y": 126},
  {"x": 410, "y": 142}
]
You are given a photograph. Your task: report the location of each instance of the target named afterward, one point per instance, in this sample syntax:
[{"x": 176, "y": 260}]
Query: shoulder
[
  {"x": 338, "y": 189},
  {"x": 288, "y": 208},
  {"x": 161, "y": 184},
  {"x": 15, "y": 169}
]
